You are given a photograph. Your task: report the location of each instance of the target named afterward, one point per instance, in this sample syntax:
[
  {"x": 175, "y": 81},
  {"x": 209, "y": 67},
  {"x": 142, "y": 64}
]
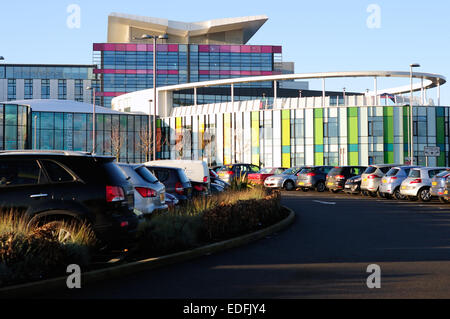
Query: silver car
[
  {"x": 371, "y": 178},
  {"x": 149, "y": 193},
  {"x": 284, "y": 180},
  {"x": 391, "y": 182},
  {"x": 418, "y": 183}
]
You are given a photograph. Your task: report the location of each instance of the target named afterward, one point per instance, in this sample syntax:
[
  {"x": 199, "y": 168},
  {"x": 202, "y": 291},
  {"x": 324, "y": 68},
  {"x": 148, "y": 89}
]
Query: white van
[{"x": 196, "y": 171}]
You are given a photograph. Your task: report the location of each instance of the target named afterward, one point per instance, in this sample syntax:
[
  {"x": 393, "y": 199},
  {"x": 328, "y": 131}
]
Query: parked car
[
  {"x": 259, "y": 177},
  {"x": 171, "y": 200},
  {"x": 149, "y": 193},
  {"x": 438, "y": 183},
  {"x": 229, "y": 173},
  {"x": 285, "y": 180},
  {"x": 215, "y": 179},
  {"x": 216, "y": 188},
  {"x": 313, "y": 177},
  {"x": 371, "y": 178},
  {"x": 196, "y": 171},
  {"x": 175, "y": 181},
  {"x": 57, "y": 186},
  {"x": 353, "y": 185},
  {"x": 391, "y": 182},
  {"x": 337, "y": 177},
  {"x": 418, "y": 183}
]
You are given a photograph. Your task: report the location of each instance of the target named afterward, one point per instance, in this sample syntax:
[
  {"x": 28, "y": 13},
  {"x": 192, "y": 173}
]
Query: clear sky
[{"x": 317, "y": 35}]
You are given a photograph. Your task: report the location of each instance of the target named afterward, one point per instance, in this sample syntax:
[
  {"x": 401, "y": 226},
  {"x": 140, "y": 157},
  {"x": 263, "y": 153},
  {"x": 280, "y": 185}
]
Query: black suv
[
  {"x": 175, "y": 181},
  {"x": 337, "y": 177},
  {"x": 56, "y": 186},
  {"x": 229, "y": 173}
]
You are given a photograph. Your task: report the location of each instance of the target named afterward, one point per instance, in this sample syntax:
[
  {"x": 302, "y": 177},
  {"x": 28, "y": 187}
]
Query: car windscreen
[
  {"x": 370, "y": 170},
  {"x": 146, "y": 175},
  {"x": 414, "y": 173},
  {"x": 392, "y": 172},
  {"x": 337, "y": 171}
]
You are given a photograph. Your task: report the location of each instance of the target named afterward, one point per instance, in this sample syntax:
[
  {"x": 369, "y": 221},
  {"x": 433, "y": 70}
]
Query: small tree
[
  {"x": 145, "y": 143},
  {"x": 116, "y": 142}
]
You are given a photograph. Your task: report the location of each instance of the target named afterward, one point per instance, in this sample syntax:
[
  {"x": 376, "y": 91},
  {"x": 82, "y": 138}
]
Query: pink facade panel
[
  {"x": 109, "y": 47},
  {"x": 266, "y": 49},
  {"x": 203, "y": 72},
  {"x": 131, "y": 47},
  {"x": 214, "y": 48},
  {"x": 150, "y": 47},
  {"x": 255, "y": 48},
  {"x": 235, "y": 48},
  {"x": 235, "y": 72},
  {"x": 162, "y": 47},
  {"x": 121, "y": 47},
  {"x": 173, "y": 48},
  {"x": 98, "y": 47},
  {"x": 203, "y": 48},
  {"x": 246, "y": 49},
  {"x": 225, "y": 48},
  {"x": 276, "y": 49},
  {"x": 172, "y": 72},
  {"x": 141, "y": 47}
]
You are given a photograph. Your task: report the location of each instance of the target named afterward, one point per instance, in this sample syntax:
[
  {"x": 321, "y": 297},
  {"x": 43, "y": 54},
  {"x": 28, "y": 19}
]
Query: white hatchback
[{"x": 418, "y": 183}]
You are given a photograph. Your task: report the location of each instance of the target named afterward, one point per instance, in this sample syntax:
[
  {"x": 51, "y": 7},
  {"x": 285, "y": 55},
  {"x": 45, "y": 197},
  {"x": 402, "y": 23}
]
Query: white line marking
[{"x": 325, "y": 203}]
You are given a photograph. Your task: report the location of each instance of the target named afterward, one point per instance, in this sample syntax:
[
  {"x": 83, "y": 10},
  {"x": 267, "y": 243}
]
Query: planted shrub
[{"x": 28, "y": 254}]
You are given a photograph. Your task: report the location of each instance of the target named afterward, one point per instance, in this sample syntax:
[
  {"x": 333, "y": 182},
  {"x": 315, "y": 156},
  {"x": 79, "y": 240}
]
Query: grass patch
[{"x": 34, "y": 253}]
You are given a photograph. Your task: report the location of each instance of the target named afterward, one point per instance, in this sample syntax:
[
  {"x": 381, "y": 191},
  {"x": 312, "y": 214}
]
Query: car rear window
[
  {"x": 392, "y": 172},
  {"x": 146, "y": 175},
  {"x": 161, "y": 174},
  {"x": 225, "y": 168},
  {"x": 265, "y": 171},
  {"x": 414, "y": 173},
  {"x": 307, "y": 170},
  {"x": 370, "y": 170},
  {"x": 443, "y": 173},
  {"x": 57, "y": 173},
  {"x": 183, "y": 177},
  {"x": 336, "y": 171},
  {"x": 384, "y": 170},
  {"x": 432, "y": 173},
  {"x": 290, "y": 171}
]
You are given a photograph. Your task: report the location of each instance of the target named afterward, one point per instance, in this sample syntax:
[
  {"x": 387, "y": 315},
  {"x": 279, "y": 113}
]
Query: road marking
[{"x": 325, "y": 203}]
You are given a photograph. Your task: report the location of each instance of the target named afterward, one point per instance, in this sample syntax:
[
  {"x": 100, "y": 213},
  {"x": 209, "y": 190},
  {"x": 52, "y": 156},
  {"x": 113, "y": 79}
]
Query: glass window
[
  {"x": 57, "y": 173},
  {"x": 19, "y": 172}
]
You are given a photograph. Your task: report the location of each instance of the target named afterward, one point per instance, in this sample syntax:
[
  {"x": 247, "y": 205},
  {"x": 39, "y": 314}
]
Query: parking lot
[{"x": 324, "y": 254}]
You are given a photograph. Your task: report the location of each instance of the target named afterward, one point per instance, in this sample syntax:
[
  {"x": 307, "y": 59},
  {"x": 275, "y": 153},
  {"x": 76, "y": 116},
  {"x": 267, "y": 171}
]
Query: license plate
[
  {"x": 384, "y": 181},
  {"x": 330, "y": 184},
  {"x": 445, "y": 192},
  {"x": 301, "y": 183},
  {"x": 365, "y": 180},
  {"x": 434, "y": 183},
  {"x": 162, "y": 197},
  {"x": 403, "y": 187}
]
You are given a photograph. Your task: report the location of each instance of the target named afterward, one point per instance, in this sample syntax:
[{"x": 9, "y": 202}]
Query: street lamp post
[
  {"x": 154, "y": 37},
  {"x": 411, "y": 122},
  {"x": 345, "y": 102},
  {"x": 91, "y": 88}
]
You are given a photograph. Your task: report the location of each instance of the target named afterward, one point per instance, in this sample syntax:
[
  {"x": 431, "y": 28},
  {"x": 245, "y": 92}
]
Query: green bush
[{"x": 28, "y": 254}]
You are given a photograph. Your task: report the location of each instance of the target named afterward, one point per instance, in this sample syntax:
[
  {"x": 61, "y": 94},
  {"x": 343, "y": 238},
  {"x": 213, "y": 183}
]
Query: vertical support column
[
  {"x": 376, "y": 91},
  {"x": 422, "y": 96},
  {"x": 195, "y": 96},
  {"x": 275, "y": 93},
  {"x": 232, "y": 93},
  {"x": 439, "y": 94},
  {"x": 323, "y": 92}
]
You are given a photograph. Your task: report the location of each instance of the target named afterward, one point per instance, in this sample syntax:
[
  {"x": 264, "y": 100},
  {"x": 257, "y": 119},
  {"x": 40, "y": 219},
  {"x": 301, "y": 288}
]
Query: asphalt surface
[{"x": 324, "y": 254}]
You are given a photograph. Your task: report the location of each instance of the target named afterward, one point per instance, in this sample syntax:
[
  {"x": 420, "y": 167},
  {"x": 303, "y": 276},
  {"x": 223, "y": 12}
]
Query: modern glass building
[
  {"x": 67, "y": 125},
  {"x": 39, "y": 81}
]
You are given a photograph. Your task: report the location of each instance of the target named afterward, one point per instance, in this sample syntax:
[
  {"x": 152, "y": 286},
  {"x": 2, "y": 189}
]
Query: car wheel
[
  {"x": 443, "y": 200},
  {"x": 424, "y": 195},
  {"x": 320, "y": 187},
  {"x": 373, "y": 194},
  {"x": 289, "y": 186},
  {"x": 61, "y": 231},
  {"x": 398, "y": 195},
  {"x": 364, "y": 193}
]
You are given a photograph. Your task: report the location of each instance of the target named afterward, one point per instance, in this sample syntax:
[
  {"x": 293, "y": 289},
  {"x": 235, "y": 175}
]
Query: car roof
[
  {"x": 52, "y": 153},
  {"x": 165, "y": 167}
]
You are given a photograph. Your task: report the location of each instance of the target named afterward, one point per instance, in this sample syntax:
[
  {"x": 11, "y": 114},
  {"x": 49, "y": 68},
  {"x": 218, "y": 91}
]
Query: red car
[{"x": 260, "y": 177}]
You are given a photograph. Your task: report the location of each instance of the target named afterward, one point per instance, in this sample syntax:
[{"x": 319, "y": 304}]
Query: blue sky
[{"x": 317, "y": 35}]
